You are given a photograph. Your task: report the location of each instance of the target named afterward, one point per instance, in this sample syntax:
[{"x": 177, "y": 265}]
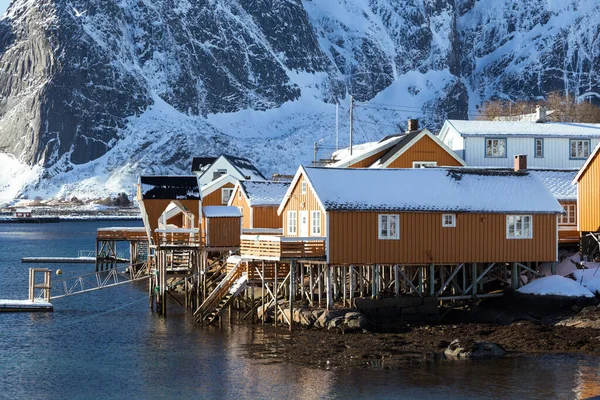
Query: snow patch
[{"x": 557, "y": 286}]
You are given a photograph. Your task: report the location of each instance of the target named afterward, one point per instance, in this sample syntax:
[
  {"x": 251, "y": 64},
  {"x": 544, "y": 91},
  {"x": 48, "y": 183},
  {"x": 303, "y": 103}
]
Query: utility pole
[
  {"x": 351, "y": 121},
  {"x": 337, "y": 124}
]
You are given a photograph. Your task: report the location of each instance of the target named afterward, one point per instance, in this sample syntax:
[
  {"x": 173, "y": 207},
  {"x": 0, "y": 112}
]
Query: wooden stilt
[
  {"x": 320, "y": 286},
  {"x": 292, "y": 292},
  {"x": 329, "y": 294},
  {"x": 396, "y": 281},
  {"x": 262, "y": 293},
  {"x": 275, "y": 289}
]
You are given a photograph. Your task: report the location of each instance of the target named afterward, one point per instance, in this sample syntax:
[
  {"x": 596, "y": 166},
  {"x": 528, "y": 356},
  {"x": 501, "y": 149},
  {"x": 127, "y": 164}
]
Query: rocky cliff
[{"x": 94, "y": 92}]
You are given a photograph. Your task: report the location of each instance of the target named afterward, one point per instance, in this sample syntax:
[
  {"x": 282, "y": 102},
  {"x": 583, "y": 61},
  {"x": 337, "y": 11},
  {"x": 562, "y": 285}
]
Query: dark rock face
[{"x": 73, "y": 74}]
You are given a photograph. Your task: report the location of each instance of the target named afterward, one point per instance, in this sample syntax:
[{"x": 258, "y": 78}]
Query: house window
[
  {"x": 449, "y": 220},
  {"x": 226, "y": 195},
  {"x": 424, "y": 164},
  {"x": 239, "y": 194},
  {"x": 389, "y": 226},
  {"x": 539, "y": 148},
  {"x": 450, "y": 143},
  {"x": 519, "y": 227},
  {"x": 315, "y": 223},
  {"x": 495, "y": 148},
  {"x": 303, "y": 187},
  {"x": 569, "y": 217},
  {"x": 292, "y": 225},
  {"x": 219, "y": 173},
  {"x": 580, "y": 148}
]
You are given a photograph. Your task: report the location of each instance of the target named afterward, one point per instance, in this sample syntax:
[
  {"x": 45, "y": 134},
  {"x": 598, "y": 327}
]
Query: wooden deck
[
  {"x": 568, "y": 234},
  {"x": 276, "y": 248},
  {"x": 122, "y": 234}
]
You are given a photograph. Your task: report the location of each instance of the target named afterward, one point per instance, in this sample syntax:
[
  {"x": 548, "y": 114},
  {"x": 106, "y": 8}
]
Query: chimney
[
  {"x": 520, "y": 162},
  {"x": 413, "y": 125},
  {"x": 540, "y": 114}
]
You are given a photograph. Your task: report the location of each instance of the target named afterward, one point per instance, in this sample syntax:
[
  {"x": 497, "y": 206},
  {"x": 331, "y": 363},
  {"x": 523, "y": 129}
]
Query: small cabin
[
  {"x": 418, "y": 216},
  {"x": 258, "y": 202},
  {"x": 218, "y": 192},
  {"x": 221, "y": 227},
  {"x": 416, "y": 148},
  {"x": 238, "y": 167}
]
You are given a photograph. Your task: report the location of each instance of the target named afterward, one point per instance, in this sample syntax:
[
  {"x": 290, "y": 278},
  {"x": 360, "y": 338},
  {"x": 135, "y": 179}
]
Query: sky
[{"x": 3, "y": 6}]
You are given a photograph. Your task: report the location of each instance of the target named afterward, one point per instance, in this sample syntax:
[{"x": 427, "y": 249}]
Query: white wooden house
[
  {"x": 238, "y": 167},
  {"x": 558, "y": 145}
]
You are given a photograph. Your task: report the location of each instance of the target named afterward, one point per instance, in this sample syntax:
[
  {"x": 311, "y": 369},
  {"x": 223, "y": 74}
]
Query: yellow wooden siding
[
  {"x": 214, "y": 198},
  {"x": 426, "y": 149},
  {"x": 302, "y": 202},
  {"x": 353, "y": 239},
  {"x": 266, "y": 217},
  {"x": 221, "y": 232},
  {"x": 367, "y": 162},
  {"x": 240, "y": 201},
  {"x": 588, "y": 197}
]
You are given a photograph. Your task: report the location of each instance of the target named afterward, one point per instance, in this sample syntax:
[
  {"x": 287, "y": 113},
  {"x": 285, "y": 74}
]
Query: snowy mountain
[{"x": 94, "y": 92}]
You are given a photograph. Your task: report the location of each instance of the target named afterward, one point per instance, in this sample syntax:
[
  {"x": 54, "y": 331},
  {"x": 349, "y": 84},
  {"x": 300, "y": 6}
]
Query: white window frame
[
  {"x": 315, "y": 223},
  {"x": 585, "y": 148},
  {"x": 494, "y": 146},
  {"x": 571, "y": 211},
  {"x": 451, "y": 223},
  {"x": 424, "y": 164},
  {"x": 303, "y": 186},
  {"x": 292, "y": 223},
  {"x": 541, "y": 148},
  {"x": 219, "y": 173},
  {"x": 385, "y": 224},
  {"x": 223, "y": 191},
  {"x": 516, "y": 226}
]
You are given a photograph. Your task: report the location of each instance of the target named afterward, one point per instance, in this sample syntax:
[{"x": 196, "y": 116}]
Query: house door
[{"x": 303, "y": 224}]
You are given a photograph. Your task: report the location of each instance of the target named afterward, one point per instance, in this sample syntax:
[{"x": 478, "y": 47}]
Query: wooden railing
[
  {"x": 267, "y": 247},
  {"x": 568, "y": 234},
  {"x": 122, "y": 234},
  {"x": 178, "y": 237}
]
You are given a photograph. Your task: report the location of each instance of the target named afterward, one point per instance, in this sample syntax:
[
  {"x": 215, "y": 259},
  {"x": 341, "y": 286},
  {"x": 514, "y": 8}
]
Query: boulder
[
  {"x": 468, "y": 349},
  {"x": 355, "y": 321}
]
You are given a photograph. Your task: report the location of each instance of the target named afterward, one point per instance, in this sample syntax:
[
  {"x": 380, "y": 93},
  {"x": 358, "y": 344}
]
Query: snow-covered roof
[
  {"x": 587, "y": 163},
  {"x": 558, "y": 182},
  {"x": 362, "y": 151},
  {"x": 265, "y": 193},
  {"x": 221, "y": 211},
  {"x": 526, "y": 129},
  {"x": 245, "y": 167},
  {"x": 217, "y": 184},
  {"x": 170, "y": 187},
  {"x": 201, "y": 164},
  {"x": 430, "y": 190}
]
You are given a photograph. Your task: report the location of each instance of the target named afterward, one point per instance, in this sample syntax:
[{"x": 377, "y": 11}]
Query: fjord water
[{"x": 108, "y": 344}]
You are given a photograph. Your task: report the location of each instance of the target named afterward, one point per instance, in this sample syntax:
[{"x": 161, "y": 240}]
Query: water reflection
[{"x": 588, "y": 382}]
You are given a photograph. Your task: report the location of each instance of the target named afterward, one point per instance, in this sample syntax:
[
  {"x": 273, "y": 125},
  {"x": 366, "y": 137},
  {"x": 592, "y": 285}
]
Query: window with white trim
[
  {"x": 292, "y": 223},
  {"x": 519, "y": 227},
  {"x": 424, "y": 164},
  {"x": 570, "y": 217},
  {"x": 449, "y": 220},
  {"x": 315, "y": 223},
  {"x": 226, "y": 195},
  {"x": 539, "y": 148},
  {"x": 389, "y": 226},
  {"x": 303, "y": 187},
  {"x": 580, "y": 148},
  {"x": 219, "y": 173},
  {"x": 495, "y": 148},
  {"x": 450, "y": 143}
]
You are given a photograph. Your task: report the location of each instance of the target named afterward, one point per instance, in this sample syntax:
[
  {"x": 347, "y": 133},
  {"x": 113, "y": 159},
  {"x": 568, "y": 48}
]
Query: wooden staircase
[{"x": 232, "y": 285}]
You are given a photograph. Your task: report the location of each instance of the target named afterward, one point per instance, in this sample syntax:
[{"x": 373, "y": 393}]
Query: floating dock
[
  {"x": 25, "y": 306},
  {"x": 68, "y": 260}
]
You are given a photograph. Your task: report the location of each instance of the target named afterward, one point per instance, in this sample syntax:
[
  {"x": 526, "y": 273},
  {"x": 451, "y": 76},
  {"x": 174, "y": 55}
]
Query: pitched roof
[
  {"x": 558, "y": 182},
  {"x": 221, "y": 212},
  {"x": 429, "y": 190},
  {"x": 265, "y": 193},
  {"x": 217, "y": 183},
  {"x": 525, "y": 129},
  {"x": 245, "y": 167},
  {"x": 199, "y": 164},
  {"x": 585, "y": 166},
  {"x": 170, "y": 187},
  {"x": 362, "y": 151}
]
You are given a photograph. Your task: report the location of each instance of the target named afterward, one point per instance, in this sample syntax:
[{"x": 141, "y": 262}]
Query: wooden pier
[{"x": 34, "y": 302}]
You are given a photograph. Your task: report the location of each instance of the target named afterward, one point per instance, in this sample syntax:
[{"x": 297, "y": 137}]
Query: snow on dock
[
  {"x": 25, "y": 306},
  {"x": 59, "y": 260}
]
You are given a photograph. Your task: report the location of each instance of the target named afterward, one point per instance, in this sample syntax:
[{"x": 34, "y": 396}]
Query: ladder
[{"x": 231, "y": 286}]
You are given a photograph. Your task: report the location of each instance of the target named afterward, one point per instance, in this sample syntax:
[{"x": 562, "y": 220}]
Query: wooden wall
[
  {"x": 221, "y": 232},
  {"x": 310, "y": 204},
  {"x": 214, "y": 198},
  {"x": 426, "y": 149},
  {"x": 242, "y": 203},
  {"x": 476, "y": 238},
  {"x": 588, "y": 197},
  {"x": 266, "y": 217}
]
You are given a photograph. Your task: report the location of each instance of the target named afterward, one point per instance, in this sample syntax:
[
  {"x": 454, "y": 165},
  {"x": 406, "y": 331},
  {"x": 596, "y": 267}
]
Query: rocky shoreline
[{"x": 344, "y": 339}]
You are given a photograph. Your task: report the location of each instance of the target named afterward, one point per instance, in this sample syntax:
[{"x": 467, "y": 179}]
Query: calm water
[{"x": 107, "y": 344}]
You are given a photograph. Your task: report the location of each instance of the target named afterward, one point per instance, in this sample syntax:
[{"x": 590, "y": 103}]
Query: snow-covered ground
[{"x": 556, "y": 285}]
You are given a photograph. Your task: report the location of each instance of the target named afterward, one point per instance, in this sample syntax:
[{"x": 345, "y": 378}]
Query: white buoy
[{"x": 59, "y": 271}]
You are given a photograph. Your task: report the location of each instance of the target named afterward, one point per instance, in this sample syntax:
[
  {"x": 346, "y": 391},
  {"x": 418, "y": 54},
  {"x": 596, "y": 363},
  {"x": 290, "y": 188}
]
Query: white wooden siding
[
  {"x": 220, "y": 163},
  {"x": 557, "y": 152}
]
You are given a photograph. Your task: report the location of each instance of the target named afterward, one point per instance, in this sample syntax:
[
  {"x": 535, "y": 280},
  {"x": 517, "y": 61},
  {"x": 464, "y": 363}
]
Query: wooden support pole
[
  {"x": 351, "y": 279},
  {"x": 262, "y": 293},
  {"x": 431, "y": 280},
  {"x": 396, "y": 281},
  {"x": 420, "y": 280},
  {"x": 320, "y": 285},
  {"x": 275, "y": 290},
  {"x": 553, "y": 268},
  {"x": 329, "y": 294},
  {"x": 515, "y": 276},
  {"x": 373, "y": 281},
  {"x": 292, "y": 292},
  {"x": 310, "y": 284},
  {"x": 474, "y": 279}
]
